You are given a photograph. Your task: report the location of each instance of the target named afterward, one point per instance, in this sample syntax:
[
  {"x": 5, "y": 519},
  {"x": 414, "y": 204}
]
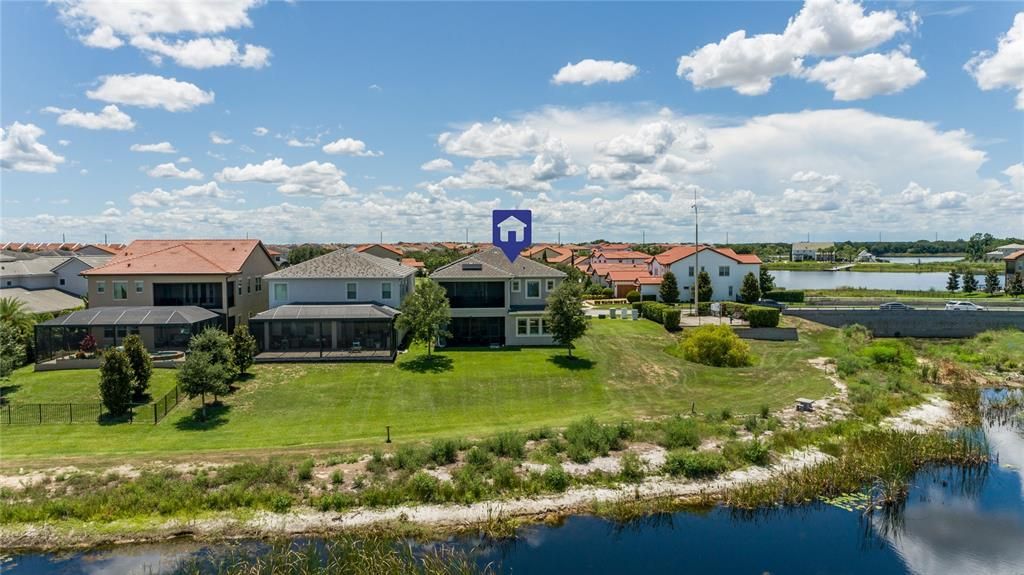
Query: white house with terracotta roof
[
  {"x": 620, "y": 257},
  {"x": 1014, "y": 266},
  {"x": 726, "y": 268},
  {"x": 223, "y": 276}
]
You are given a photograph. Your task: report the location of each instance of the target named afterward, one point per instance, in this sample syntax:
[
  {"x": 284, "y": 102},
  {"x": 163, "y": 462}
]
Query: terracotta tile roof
[
  {"x": 677, "y": 253},
  {"x": 412, "y": 262},
  {"x": 648, "y": 280},
  {"x": 622, "y": 255},
  {"x": 388, "y": 247},
  {"x": 179, "y": 257},
  {"x": 630, "y": 276},
  {"x": 1014, "y": 255}
]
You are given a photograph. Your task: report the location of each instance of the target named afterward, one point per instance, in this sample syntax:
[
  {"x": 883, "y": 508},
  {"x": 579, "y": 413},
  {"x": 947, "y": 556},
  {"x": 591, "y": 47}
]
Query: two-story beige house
[{"x": 223, "y": 276}]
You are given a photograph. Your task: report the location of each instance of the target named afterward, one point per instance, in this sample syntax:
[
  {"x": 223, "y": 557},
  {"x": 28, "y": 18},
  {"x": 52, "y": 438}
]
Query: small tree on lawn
[
  {"x": 669, "y": 290},
  {"x": 1015, "y": 285},
  {"x": 217, "y": 345},
  {"x": 141, "y": 364},
  {"x": 991, "y": 281},
  {"x": 750, "y": 291},
  {"x": 704, "y": 290},
  {"x": 200, "y": 375},
  {"x": 633, "y": 296},
  {"x": 116, "y": 382},
  {"x": 12, "y": 350},
  {"x": 767, "y": 281},
  {"x": 426, "y": 313},
  {"x": 953, "y": 282},
  {"x": 970, "y": 282},
  {"x": 565, "y": 317},
  {"x": 243, "y": 345}
]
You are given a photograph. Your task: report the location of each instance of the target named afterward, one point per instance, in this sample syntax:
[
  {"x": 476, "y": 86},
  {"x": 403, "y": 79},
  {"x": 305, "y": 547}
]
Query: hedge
[
  {"x": 788, "y": 296},
  {"x": 666, "y": 315},
  {"x": 760, "y": 316}
]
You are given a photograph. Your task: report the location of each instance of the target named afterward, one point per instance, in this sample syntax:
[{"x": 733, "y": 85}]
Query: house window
[
  {"x": 350, "y": 290},
  {"x": 239, "y": 286},
  {"x": 139, "y": 285},
  {"x": 534, "y": 326},
  {"x": 259, "y": 285},
  {"x": 515, "y": 286},
  {"x": 533, "y": 289},
  {"x": 549, "y": 285},
  {"x": 248, "y": 285},
  {"x": 62, "y": 281},
  {"x": 723, "y": 271},
  {"x": 280, "y": 292},
  {"x": 101, "y": 287},
  {"x": 120, "y": 290},
  {"x": 730, "y": 291},
  {"x": 691, "y": 271},
  {"x": 521, "y": 326},
  {"x": 385, "y": 290},
  {"x": 108, "y": 332}
]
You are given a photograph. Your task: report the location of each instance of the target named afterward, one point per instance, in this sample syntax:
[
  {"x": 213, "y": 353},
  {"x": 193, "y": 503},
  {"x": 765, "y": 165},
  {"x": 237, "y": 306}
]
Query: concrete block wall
[{"x": 915, "y": 323}]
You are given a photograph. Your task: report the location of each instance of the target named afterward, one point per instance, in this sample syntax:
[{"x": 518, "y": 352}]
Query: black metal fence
[{"x": 96, "y": 413}]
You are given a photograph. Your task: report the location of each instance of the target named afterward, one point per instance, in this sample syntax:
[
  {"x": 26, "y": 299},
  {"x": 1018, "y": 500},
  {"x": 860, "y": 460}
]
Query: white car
[{"x": 963, "y": 306}]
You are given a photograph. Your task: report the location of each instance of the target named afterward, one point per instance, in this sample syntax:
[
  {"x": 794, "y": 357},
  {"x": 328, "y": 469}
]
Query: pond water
[
  {"x": 922, "y": 259},
  {"x": 802, "y": 280},
  {"x": 953, "y": 522}
]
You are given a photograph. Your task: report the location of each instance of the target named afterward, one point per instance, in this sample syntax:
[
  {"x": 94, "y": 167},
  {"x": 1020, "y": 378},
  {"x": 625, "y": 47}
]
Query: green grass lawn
[
  {"x": 621, "y": 372},
  {"x": 70, "y": 386}
]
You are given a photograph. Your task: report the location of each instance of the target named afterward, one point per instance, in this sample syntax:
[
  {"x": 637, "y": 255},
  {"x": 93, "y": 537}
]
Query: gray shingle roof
[
  {"x": 344, "y": 264},
  {"x": 328, "y": 311},
  {"x": 494, "y": 264},
  {"x": 44, "y": 300}
]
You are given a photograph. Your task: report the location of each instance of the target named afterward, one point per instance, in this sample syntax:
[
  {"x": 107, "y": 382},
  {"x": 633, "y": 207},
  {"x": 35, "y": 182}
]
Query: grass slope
[
  {"x": 70, "y": 386},
  {"x": 622, "y": 372}
]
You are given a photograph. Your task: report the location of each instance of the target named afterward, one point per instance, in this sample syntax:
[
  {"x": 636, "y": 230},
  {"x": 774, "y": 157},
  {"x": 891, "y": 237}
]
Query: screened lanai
[
  {"x": 161, "y": 328},
  {"x": 326, "y": 332}
]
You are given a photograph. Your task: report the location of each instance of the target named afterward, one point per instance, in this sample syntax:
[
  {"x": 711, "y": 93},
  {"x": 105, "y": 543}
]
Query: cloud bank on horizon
[{"x": 834, "y": 118}]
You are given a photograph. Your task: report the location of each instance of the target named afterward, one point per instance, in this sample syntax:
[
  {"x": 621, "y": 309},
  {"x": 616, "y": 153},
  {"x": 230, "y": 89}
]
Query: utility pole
[
  {"x": 696, "y": 257},
  {"x": 467, "y": 235},
  {"x": 643, "y": 237},
  {"x": 382, "y": 236}
]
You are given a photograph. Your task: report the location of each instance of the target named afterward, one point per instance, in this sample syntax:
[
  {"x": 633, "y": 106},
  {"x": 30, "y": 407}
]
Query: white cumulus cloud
[
  {"x": 492, "y": 140},
  {"x": 260, "y": 131},
  {"x": 169, "y": 170},
  {"x": 350, "y": 147},
  {"x": 150, "y": 91},
  {"x": 437, "y": 165},
  {"x": 1005, "y": 67},
  {"x": 309, "y": 179},
  {"x": 109, "y": 118},
  {"x": 202, "y": 53},
  {"x": 162, "y": 198},
  {"x": 866, "y": 76},
  {"x": 590, "y": 71},
  {"x": 219, "y": 139},
  {"x": 21, "y": 150},
  {"x": 160, "y": 148}
]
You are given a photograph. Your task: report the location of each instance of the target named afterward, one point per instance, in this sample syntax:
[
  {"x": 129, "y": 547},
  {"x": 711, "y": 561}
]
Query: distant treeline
[{"x": 975, "y": 246}]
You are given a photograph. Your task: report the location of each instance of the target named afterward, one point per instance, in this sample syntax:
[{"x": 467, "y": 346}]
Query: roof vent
[{"x": 468, "y": 267}]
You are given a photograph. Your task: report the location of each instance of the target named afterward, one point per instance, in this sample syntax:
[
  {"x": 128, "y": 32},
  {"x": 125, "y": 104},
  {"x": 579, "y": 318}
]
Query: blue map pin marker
[{"x": 512, "y": 231}]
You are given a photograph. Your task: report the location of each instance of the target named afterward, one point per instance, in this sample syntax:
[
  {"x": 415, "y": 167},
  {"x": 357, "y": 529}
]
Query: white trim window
[
  {"x": 259, "y": 284},
  {"x": 238, "y": 282},
  {"x": 531, "y": 327},
  {"x": 351, "y": 291},
  {"x": 140, "y": 285},
  {"x": 549, "y": 285},
  {"x": 101, "y": 286},
  {"x": 280, "y": 292},
  {"x": 385, "y": 290},
  {"x": 516, "y": 286},
  {"x": 723, "y": 271},
  {"x": 120, "y": 289},
  {"x": 532, "y": 289}
]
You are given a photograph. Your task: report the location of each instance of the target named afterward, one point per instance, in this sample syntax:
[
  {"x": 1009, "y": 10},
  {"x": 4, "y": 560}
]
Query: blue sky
[{"x": 829, "y": 118}]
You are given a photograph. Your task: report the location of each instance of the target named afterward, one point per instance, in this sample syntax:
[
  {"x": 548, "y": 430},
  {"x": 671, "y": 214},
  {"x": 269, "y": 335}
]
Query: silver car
[
  {"x": 894, "y": 306},
  {"x": 963, "y": 306}
]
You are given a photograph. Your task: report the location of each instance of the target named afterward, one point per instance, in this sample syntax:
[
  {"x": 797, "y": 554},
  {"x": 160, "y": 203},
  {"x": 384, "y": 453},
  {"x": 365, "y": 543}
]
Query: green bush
[
  {"x": 633, "y": 296},
  {"x": 715, "y": 345},
  {"x": 756, "y": 453},
  {"x": 889, "y": 353},
  {"x": 760, "y": 316},
  {"x": 504, "y": 476},
  {"x": 509, "y": 444},
  {"x": 670, "y": 319},
  {"x": 788, "y": 296},
  {"x": 305, "y": 470},
  {"x": 680, "y": 432},
  {"x": 423, "y": 486},
  {"x": 631, "y": 468},
  {"x": 444, "y": 451},
  {"x": 694, "y": 464},
  {"x": 479, "y": 457},
  {"x": 587, "y": 438},
  {"x": 555, "y": 478},
  {"x": 409, "y": 458}
]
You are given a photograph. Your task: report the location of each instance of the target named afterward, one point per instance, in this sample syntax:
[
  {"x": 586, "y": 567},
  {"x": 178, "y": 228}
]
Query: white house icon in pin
[{"x": 512, "y": 229}]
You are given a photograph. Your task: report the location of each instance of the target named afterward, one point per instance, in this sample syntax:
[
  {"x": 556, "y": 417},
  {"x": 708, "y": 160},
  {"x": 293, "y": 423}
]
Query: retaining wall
[{"x": 915, "y": 323}]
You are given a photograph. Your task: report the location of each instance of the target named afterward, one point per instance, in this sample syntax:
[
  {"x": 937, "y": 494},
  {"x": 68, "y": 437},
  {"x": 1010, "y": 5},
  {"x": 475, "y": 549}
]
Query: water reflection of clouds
[{"x": 1008, "y": 444}]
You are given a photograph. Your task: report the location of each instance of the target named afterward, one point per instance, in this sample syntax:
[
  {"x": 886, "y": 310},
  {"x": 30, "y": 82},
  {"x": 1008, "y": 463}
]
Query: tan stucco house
[{"x": 223, "y": 276}]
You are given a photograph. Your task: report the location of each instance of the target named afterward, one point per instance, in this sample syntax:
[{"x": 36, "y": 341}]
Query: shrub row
[
  {"x": 788, "y": 296},
  {"x": 657, "y": 312},
  {"x": 758, "y": 316}
]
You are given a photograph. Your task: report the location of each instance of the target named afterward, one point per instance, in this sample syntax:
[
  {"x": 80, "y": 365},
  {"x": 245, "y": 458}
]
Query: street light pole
[{"x": 696, "y": 257}]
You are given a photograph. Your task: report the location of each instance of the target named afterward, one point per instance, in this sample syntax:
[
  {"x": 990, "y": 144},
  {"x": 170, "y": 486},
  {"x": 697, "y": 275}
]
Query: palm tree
[{"x": 14, "y": 314}]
